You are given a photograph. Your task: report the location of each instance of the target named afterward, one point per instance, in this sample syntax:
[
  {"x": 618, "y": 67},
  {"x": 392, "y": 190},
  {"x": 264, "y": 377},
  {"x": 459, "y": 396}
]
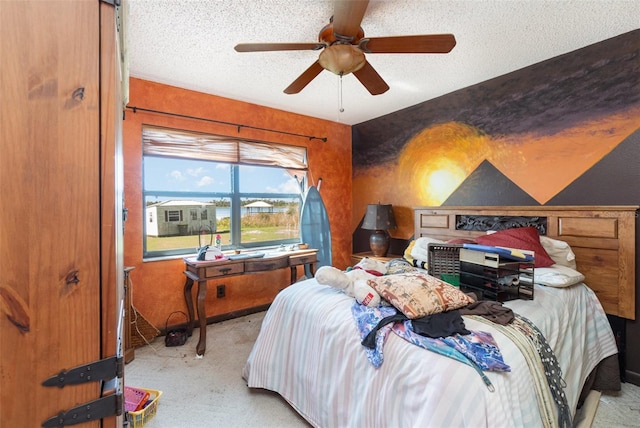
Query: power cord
[{"x": 134, "y": 322}]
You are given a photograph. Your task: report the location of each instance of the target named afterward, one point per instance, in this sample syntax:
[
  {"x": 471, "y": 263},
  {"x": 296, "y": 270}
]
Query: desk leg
[
  {"x": 294, "y": 271},
  {"x": 202, "y": 317},
  {"x": 312, "y": 268},
  {"x": 188, "y": 298}
]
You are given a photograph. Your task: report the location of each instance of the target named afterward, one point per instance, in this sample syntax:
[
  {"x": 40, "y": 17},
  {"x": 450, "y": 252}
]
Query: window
[
  {"x": 249, "y": 193},
  {"x": 173, "y": 215}
]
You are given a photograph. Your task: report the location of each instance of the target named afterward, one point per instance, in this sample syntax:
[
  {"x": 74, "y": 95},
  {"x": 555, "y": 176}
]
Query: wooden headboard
[{"x": 603, "y": 239}]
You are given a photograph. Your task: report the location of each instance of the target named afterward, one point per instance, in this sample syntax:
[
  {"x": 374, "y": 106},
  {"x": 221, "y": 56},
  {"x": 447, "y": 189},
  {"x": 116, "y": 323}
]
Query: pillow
[
  {"x": 522, "y": 238},
  {"x": 417, "y": 295},
  {"x": 559, "y": 251},
  {"x": 557, "y": 276}
]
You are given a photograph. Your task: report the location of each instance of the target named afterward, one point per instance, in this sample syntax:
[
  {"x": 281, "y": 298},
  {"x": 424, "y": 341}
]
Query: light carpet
[{"x": 210, "y": 392}]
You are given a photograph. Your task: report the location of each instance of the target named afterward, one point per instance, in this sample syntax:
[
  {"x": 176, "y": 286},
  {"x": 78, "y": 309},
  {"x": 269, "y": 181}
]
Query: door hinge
[
  {"x": 105, "y": 369},
  {"x": 110, "y": 405}
]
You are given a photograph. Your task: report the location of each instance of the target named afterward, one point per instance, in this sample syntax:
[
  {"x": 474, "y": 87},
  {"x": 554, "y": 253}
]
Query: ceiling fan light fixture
[
  {"x": 344, "y": 48},
  {"x": 342, "y": 59}
]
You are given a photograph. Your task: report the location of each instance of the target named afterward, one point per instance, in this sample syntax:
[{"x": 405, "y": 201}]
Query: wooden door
[{"x": 51, "y": 284}]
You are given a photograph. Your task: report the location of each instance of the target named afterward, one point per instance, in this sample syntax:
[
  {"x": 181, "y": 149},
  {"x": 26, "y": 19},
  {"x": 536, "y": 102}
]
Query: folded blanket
[
  {"x": 419, "y": 253},
  {"x": 543, "y": 365},
  {"x": 420, "y": 249}
]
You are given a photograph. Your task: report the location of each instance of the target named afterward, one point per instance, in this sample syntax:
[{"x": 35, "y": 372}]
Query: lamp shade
[{"x": 379, "y": 217}]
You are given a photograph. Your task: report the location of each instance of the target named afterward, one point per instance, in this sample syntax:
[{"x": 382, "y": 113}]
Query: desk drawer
[
  {"x": 303, "y": 259},
  {"x": 224, "y": 270},
  {"x": 266, "y": 264}
]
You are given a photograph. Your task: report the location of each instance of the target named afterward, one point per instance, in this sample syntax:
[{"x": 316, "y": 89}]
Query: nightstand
[{"x": 355, "y": 258}]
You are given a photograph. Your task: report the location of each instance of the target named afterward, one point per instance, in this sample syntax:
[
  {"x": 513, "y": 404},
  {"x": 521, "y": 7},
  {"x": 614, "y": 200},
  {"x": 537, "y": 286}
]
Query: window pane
[
  {"x": 263, "y": 222},
  {"x": 168, "y": 231},
  {"x": 185, "y": 175},
  {"x": 270, "y": 221},
  {"x": 223, "y": 221},
  {"x": 264, "y": 179}
]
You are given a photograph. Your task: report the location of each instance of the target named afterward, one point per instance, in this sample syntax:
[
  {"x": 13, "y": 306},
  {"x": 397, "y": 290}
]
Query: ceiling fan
[{"x": 344, "y": 45}]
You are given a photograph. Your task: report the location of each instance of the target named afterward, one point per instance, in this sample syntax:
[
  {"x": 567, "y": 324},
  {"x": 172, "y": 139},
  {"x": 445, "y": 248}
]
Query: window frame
[{"x": 235, "y": 196}]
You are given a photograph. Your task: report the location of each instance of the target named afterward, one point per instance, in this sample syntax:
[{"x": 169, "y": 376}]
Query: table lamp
[{"x": 379, "y": 218}]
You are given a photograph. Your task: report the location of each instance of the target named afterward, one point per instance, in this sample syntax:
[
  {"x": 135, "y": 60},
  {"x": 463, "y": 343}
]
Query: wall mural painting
[{"x": 537, "y": 129}]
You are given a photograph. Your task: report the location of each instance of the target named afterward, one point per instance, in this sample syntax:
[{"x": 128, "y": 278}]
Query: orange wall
[{"x": 157, "y": 285}]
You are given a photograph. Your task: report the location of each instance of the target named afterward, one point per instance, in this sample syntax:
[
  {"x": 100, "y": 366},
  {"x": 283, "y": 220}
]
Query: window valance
[{"x": 193, "y": 145}]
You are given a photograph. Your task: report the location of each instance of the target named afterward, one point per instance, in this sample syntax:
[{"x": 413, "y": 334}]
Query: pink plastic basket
[
  {"x": 138, "y": 418},
  {"x": 134, "y": 398}
]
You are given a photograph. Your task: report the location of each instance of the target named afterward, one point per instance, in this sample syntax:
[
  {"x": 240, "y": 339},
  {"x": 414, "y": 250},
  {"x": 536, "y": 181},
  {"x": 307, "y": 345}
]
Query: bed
[{"x": 309, "y": 349}]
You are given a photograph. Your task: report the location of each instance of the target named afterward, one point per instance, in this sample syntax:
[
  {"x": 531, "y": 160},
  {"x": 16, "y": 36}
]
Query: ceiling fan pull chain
[{"x": 341, "y": 109}]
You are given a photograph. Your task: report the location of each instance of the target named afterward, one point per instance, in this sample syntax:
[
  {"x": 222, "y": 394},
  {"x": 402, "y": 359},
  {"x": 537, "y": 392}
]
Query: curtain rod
[{"x": 237, "y": 125}]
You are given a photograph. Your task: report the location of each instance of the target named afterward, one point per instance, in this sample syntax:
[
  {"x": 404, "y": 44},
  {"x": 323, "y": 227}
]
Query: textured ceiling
[{"x": 189, "y": 44}]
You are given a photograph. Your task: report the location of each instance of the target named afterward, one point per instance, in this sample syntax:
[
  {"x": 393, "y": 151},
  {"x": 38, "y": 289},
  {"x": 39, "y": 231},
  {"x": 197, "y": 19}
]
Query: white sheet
[{"x": 309, "y": 352}]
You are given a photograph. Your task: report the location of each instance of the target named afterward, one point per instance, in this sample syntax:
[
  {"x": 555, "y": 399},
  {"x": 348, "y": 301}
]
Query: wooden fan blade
[
  {"x": 347, "y": 16},
  {"x": 371, "y": 80},
  {"x": 304, "y": 79},
  {"x": 264, "y": 47},
  {"x": 433, "y": 43}
]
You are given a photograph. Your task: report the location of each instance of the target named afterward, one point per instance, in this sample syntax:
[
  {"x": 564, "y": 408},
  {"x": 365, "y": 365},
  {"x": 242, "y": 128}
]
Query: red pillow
[{"x": 522, "y": 238}]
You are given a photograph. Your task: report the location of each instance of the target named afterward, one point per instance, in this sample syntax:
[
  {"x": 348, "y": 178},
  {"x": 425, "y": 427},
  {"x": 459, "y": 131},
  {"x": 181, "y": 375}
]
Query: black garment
[
  {"x": 370, "y": 339},
  {"x": 442, "y": 324}
]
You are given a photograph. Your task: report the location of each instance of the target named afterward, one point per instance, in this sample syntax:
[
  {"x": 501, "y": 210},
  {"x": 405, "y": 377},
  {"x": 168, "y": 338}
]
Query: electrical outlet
[{"x": 220, "y": 291}]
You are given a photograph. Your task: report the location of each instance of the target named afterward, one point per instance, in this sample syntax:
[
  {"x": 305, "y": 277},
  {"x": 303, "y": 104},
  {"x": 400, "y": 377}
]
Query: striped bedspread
[{"x": 309, "y": 352}]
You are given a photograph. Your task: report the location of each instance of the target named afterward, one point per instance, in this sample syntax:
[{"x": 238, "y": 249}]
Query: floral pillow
[{"x": 417, "y": 294}]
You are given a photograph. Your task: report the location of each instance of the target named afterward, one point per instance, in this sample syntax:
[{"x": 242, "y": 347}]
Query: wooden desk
[{"x": 203, "y": 271}]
